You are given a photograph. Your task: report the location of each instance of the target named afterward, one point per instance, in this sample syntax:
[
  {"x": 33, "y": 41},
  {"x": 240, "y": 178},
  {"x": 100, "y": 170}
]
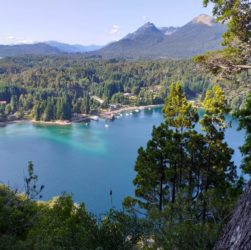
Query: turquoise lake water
[{"x": 84, "y": 160}]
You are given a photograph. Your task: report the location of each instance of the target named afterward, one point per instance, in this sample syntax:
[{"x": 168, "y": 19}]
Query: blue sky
[{"x": 89, "y": 21}]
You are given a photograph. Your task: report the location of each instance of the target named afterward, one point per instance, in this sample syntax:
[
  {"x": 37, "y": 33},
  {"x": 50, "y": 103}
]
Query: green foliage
[
  {"x": 119, "y": 230},
  {"x": 244, "y": 116},
  {"x": 85, "y": 105},
  {"x": 61, "y": 224},
  {"x": 120, "y": 98},
  {"x": 215, "y": 106},
  {"x": 17, "y": 214},
  {"x": 178, "y": 112}
]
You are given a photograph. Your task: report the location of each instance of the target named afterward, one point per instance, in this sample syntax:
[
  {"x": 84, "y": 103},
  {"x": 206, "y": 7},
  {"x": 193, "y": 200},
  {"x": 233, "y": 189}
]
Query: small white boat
[
  {"x": 130, "y": 113},
  {"x": 127, "y": 114},
  {"x": 106, "y": 125},
  {"x": 136, "y": 110},
  {"x": 94, "y": 118}
]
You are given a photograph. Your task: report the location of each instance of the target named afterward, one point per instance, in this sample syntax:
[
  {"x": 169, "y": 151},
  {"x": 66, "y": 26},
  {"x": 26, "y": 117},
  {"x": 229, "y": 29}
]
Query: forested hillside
[{"x": 55, "y": 87}]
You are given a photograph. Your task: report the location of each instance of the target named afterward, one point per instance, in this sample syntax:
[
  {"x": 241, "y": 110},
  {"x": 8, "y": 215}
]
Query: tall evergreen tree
[
  {"x": 85, "y": 105},
  {"x": 154, "y": 169},
  {"x": 180, "y": 115},
  {"x": 219, "y": 171}
]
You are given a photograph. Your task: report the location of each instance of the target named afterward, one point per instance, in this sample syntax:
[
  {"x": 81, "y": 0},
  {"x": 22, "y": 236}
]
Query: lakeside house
[
  {"x": 127, "y": 94},
  {"x": 80, "y": 117},
  {"x": 113, "y": 107},
  {"x": 3, "y": 102}
]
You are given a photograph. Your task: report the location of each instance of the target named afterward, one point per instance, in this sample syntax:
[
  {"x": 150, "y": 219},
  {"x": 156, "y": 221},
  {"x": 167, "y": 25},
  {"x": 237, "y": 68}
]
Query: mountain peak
[
  {"x": 148, "y": 41},
  {"x": 204, "y": 19},
  {"x": 148, "y": 25},
  {"x": 145, "y": 31}
]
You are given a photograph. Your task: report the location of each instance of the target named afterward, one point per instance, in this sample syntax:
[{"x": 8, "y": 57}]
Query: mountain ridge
[
  {"x": 28, "y": 49},
  {"x": 198, "y": 36},
  {"x": 73, "y": 48}
]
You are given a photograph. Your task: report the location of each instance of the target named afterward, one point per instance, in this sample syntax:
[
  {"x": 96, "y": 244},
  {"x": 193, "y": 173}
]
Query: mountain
[
  {"x": 73, "y": 48},
  {"x": 198, "y": 36},
  {"x": 46, "y": 48},
  {"x": 137, "y": 42},
  {"x": 23, "y": 49},
  {"x": 148, "y": 31},
  {"x": 134, "y": 43},
  {"x": 168, "y": 30}
]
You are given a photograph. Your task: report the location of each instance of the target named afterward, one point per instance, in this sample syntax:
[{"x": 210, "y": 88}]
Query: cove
[{"x": 85, "y": 160}]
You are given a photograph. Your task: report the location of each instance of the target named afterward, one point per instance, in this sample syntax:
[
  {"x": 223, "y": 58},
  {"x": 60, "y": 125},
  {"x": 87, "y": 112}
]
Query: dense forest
[{"x": 53, "y": 88}]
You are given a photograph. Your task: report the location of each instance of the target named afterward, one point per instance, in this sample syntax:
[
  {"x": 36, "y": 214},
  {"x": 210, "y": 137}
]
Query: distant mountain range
[
  {"x": 73, "y": 48},
  {"x": 196, "y": 37},
  {"x": 45, "y": 48},
  {"x": 24, "y": 49}
]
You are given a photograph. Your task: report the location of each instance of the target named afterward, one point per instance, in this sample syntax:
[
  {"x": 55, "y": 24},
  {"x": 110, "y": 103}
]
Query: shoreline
[
  {"x": 57, "y": 122},
  {"x": 103, "y": 114},
  {"x": 5, "y": 123},
  {"x": 109, "y": 114}
]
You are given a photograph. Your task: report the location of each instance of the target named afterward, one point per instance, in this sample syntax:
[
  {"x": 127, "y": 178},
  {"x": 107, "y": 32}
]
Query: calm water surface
[{"x": 85, "y": 160}]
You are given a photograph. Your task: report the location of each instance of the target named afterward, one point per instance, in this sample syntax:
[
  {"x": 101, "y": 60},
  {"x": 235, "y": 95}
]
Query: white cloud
[
  {"x": 15, "y": 40},
  {"x": 144, "y": 18},
  {"x": 115, "y": 30}
]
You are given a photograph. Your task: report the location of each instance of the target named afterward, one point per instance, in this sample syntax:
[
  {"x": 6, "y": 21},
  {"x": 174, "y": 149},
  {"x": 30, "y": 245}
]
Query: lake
[{"x": 86, "y": 160}]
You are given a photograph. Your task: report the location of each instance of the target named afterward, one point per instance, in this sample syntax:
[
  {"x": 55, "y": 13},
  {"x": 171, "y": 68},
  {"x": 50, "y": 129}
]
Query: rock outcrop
[{"x": 237, "y": 233}]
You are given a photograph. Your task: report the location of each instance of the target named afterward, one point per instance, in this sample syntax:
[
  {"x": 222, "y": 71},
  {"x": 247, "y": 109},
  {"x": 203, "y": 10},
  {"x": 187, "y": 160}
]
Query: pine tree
[
  {"x": 180, "y": 115},
  {"x": 85, "y": 105},
  {"x": 219, "y": 171},
  {"x": 178, "y": 112},
  {"x": 154, "y": 169}
]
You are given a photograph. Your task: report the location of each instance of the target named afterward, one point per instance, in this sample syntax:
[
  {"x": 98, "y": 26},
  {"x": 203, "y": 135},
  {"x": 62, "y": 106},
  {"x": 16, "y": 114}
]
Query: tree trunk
[
  {"x": 161, "y": 192},
  {"x": 174, "y": 183}
]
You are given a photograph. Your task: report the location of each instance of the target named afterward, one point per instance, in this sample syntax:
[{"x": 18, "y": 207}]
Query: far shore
[
  {"x": 103, "y": 114},
  {"x": 3, "y": 124},
  {"x": 130, "y": 108},
  {"x": 57, "y": 122}
]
